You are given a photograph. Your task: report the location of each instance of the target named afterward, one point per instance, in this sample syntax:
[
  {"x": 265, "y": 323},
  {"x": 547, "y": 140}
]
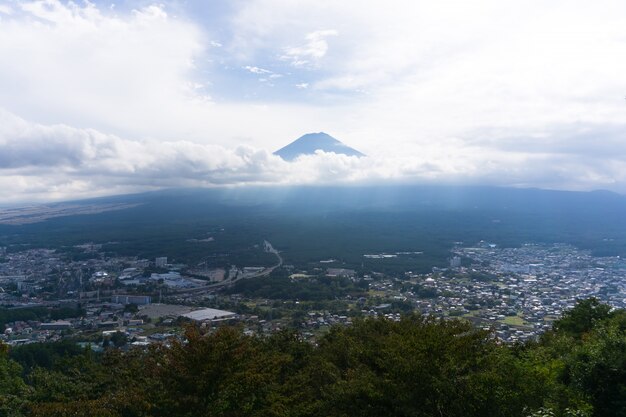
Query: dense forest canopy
[
  {"x": 419, "y": 366},
  {"x": 308, "y": 224}
]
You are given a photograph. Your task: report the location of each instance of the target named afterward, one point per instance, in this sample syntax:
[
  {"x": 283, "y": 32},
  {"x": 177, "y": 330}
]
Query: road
[{"x": 230, "y": 281}]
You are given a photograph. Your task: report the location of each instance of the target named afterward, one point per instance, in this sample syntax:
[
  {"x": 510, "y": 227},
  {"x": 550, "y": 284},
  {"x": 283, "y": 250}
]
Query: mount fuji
[{"x": 311, "y": 142}]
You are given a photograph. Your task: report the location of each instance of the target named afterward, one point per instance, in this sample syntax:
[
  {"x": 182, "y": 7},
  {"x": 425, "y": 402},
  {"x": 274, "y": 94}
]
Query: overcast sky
[{"x": 104, "y": 98}]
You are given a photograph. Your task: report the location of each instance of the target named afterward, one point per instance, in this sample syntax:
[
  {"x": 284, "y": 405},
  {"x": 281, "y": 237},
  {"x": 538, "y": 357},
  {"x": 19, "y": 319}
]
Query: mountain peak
[
  {"x": 311, "y": 142},
  {"x": 318, "y": 135}
]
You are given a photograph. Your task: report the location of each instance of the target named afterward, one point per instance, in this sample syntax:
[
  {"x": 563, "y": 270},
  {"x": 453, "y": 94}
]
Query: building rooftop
[{"x": 209, "y": 314}]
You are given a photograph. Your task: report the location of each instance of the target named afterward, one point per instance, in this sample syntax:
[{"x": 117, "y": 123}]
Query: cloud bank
[
  {"x": 97, "y": 100},
  {"x": 42, "y": 162}
]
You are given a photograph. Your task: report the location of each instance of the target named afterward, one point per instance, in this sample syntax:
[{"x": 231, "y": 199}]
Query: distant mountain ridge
[
  {"x": 323, "y": 222},
  {"x": 311, "y": 142}
]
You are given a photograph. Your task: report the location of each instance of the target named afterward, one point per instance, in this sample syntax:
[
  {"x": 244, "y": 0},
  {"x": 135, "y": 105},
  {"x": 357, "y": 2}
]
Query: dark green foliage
[
  {"x": 596, "y": 363},
  {"x": 9, "y": 315},
  {"x": 13, "y": 390},
  {"x": 21, "y": 314},
  {"x": 44, "y": 355},
  {"x": 422, "y": 367},
  {"x": 424, "y": 291},
  {"x": 418, "y": 366},
  {"x": 220, "y": 375},
  {"x": 279, "y": 286},
  {"x": 114, "y": 384},
  {"x": 131, "y": 308},
  {"x": 583, "y": 317},
  {"x": 119, "y": 339},
  {"x": 312, "y": 223},
  {"x": 583, "y": 360}
]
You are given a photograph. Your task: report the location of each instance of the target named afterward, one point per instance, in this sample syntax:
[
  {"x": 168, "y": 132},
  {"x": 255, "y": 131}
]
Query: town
[{"x": 101, "y": 301}]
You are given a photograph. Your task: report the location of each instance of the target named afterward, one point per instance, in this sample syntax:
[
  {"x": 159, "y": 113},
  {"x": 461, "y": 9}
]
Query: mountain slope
[
  {"x": 325, "y": 222},
  {"x": 311, "y": 142}
]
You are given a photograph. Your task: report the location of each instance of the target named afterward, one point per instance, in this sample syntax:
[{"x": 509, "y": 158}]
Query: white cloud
[
  {"x": 493, "y": 91},
  {"x": 423, "y": 68},
  {"x": 39, "y": 162},
  {"x": 78, "y": 65},
  {"x": 310, "y": 52},
  {"x": 257, "y": 70},
  {"x": 130, "y": 74}
]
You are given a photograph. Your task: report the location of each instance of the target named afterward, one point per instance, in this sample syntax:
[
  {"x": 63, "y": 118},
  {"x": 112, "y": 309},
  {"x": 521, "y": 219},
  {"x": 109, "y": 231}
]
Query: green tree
[
  {"x": 119, "y": 339},
  {"x": 597, "y": 367},
  {"x": 422, "y": 367},
  {"x": 13, "y": 390},
  {"x": 582, "y": 317}
]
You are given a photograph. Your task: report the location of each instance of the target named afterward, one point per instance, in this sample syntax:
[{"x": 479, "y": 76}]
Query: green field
[{"x": 514, "y": 321}]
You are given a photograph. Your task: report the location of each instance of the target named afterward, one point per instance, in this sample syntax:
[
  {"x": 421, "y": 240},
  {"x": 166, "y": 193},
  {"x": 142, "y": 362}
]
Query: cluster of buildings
[
  {"x": 516, "y": 292},
  {"x": 144, "y": 324},
  {"x": 519, "y": 292},
  {"x": 21, "y": 332},
  {"x": 95, "y": 318},
  {"x": 86, "y": 273},
  {"x": 101, "y": 288}
]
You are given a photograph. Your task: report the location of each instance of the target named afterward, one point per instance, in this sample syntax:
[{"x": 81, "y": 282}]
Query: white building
[{"x": 210, "y": 314}]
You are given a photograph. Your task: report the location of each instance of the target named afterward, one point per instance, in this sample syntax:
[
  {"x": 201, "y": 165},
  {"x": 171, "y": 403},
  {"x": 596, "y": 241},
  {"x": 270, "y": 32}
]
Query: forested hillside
[
  {"x": 419, "y": 366},
  {"x": 307, "y": 224}
]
